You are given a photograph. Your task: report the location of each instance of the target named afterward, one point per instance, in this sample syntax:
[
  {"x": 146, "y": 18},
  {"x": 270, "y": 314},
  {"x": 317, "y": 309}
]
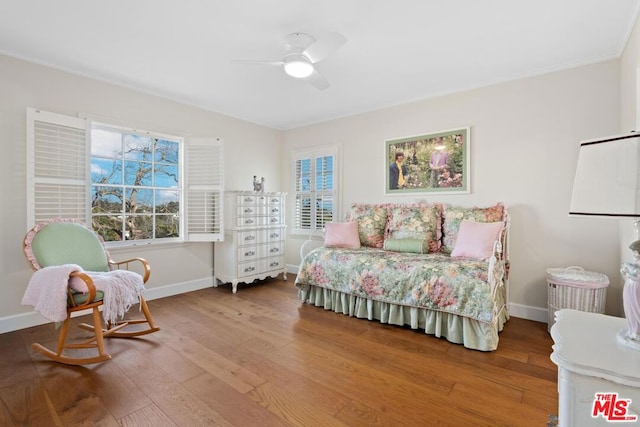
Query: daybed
[{"x": 434, "y": 267}]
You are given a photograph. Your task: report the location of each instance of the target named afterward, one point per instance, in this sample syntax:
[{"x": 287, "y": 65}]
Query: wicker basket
[{"x": 575, "y": 288}]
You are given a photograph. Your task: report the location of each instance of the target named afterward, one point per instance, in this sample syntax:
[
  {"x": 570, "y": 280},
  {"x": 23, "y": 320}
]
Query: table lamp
[{"x": 607, "y": 184}]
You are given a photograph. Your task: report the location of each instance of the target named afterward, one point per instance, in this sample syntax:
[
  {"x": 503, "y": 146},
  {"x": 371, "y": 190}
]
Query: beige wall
[
  {"x": 524, "y": 144},
  {"x": 629, "y": 66},
  {"x": 25, "y": 85}
]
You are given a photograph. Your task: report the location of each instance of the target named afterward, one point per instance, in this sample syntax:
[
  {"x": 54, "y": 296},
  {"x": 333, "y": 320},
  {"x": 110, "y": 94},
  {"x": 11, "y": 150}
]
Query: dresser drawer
[
  {"x": 247, "y": 221},
  {"x": 247, "y": 269},
  {"x": 275, "y": 200},
  {"x": 248, "y": 210},
  {"x": 273, "y": 263},
  {"x": 246, "y": 199},
  {"x": 248, "y": 237},
  {"x": 270, "y": 250},
  {"x": 275, "y": 210},
  {"x": 275, "y": 234},
  {"x": 247, "y": 253},
  {"x": 275, "y": 220}
]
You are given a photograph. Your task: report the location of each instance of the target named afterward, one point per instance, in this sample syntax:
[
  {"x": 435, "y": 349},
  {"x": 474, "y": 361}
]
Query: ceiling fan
[{"x": 303, "y": 51}]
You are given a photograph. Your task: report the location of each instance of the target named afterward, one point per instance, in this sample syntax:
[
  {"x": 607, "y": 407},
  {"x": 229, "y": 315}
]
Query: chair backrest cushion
[{"x": 69, "y": 243}]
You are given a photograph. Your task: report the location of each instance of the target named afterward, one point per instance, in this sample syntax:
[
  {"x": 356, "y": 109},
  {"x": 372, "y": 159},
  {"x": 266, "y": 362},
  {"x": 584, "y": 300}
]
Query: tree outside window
[{"x": 135, "y": 185}]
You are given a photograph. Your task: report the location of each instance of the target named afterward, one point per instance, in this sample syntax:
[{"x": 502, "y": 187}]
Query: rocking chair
[{"x": 62, "y": 242}]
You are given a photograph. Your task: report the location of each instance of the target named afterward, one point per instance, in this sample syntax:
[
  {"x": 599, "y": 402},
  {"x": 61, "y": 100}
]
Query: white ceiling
[{"x": 397, "y": 51}]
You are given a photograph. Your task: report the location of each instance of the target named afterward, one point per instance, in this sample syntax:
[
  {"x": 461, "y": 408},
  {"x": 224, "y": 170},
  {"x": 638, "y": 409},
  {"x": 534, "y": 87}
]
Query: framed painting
[{"x": 432, "y": 163}]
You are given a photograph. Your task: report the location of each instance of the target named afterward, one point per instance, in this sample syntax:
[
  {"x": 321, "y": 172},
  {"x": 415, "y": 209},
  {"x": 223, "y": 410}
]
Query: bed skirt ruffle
[{"x": 469, "y": 332}]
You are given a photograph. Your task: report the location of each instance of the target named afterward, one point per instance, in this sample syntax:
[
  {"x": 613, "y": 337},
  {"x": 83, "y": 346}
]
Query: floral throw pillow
[
  {"x": 453, "y": 217},
  {"x": 415, "y": 222},
  {"x": 372, "y": 220}
]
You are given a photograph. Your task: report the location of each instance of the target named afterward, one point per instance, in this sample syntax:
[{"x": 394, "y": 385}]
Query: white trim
[
  {"x": 528, "y": 312},
  {"x": 27, "y": 320},
  {"x": 293, "y": 268}
]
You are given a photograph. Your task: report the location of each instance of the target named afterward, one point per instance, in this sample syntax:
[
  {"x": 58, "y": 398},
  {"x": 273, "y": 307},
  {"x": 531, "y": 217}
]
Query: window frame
[
  {"x": 181, "y": 188},
  {"x": 313, "y": 154},
  {"x": 68, "y": 194}
]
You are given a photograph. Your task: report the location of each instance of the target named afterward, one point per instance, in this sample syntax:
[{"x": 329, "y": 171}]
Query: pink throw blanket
[{"x": 47, "y": 291}]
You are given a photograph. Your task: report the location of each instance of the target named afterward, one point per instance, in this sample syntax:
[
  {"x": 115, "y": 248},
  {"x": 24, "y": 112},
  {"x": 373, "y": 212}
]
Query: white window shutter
[
  {"x": 204, "y": 173},
  {"x": 57, "y": 153},
  {"x": 315, "y": 188},
  {"x": 303, "y": 194}
]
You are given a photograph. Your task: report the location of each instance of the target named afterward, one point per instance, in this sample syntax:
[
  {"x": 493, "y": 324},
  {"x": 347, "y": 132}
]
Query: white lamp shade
[{"x": 607, "y": 181}]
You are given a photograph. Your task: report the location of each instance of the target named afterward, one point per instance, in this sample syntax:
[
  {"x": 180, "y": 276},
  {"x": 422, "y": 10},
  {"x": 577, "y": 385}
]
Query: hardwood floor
[{"x": 261, "y": 357}]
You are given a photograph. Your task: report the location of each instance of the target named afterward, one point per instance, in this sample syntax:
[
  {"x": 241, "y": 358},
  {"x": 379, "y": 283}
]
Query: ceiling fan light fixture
[{"x": 298, "y": 66}]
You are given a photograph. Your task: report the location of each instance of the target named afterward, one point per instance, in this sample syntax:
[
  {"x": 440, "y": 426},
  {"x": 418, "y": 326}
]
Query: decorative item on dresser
[
  {"x": 253, "y": 247},
  {"x": 258, "y": 184}
]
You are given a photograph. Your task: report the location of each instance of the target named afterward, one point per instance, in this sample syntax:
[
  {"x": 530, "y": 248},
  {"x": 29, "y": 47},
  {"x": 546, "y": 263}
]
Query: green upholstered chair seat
[{"x": 80, "y": 298}]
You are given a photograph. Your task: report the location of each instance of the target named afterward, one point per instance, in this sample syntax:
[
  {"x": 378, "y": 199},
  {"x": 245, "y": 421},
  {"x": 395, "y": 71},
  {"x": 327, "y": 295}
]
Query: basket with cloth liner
[{"x": 575, "y": 288}]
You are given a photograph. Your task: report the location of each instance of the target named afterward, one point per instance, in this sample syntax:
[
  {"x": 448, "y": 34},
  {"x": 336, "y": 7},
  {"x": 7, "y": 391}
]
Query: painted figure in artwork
[
  {"x": 439, "y": 162},
  {"x": 398, "y": 172}
]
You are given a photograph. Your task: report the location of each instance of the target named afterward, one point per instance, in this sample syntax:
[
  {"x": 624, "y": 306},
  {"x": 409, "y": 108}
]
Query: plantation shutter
[
  {"x": 315, "y": 189},
  {"x": 204, "y": 174},
  {"x": 303, "y": 212},
  {"x": 57, "y": 158},
  {"x": 324, "y": 200}
]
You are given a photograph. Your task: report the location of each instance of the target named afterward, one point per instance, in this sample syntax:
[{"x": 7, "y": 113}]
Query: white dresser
[
  {"x": 594, "y": 366},
  {"x": 254, "y": 238}
]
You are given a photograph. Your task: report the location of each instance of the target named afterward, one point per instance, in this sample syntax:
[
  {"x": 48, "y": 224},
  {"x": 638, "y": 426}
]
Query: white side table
[{"x": 594, "y": 366}]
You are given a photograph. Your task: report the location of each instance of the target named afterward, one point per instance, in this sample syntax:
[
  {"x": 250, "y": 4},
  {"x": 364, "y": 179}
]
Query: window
[
  {"x": 135, "y": 184},
  {"x": 132, "y": 186},
  {"x": 315, "y": 190}
]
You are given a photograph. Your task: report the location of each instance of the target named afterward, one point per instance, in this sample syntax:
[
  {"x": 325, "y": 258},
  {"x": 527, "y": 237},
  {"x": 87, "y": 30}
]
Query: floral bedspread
[{"x": 432, "y": 281}]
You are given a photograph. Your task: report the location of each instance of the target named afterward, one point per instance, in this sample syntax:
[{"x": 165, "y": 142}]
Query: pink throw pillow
[
  {"x": 341, "y": 235},
  {"x": 77, "y": 284},
  {"x": 476, "y": 239}
]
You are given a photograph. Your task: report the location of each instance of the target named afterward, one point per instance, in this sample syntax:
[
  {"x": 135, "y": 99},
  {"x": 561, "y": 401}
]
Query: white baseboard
[
  {"x": 27, "y": 320},
  {"x": 292, "y": 268},
  {"x": 536, "y": 314}
]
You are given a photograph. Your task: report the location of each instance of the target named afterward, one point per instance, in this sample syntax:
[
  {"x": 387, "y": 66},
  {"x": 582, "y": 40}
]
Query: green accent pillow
[{"x": 416, "y": 246}]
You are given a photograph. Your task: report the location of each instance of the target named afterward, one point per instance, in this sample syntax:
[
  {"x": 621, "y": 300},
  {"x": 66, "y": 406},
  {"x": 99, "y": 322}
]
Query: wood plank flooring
[{"x": 262, "y": 358}]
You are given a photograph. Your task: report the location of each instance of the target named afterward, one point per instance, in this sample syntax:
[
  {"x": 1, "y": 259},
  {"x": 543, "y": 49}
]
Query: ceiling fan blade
[
  {"x": 256, "y": 61},
  {"x": 324, "y": 47},
  {"x": 317, "y": 80}
]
